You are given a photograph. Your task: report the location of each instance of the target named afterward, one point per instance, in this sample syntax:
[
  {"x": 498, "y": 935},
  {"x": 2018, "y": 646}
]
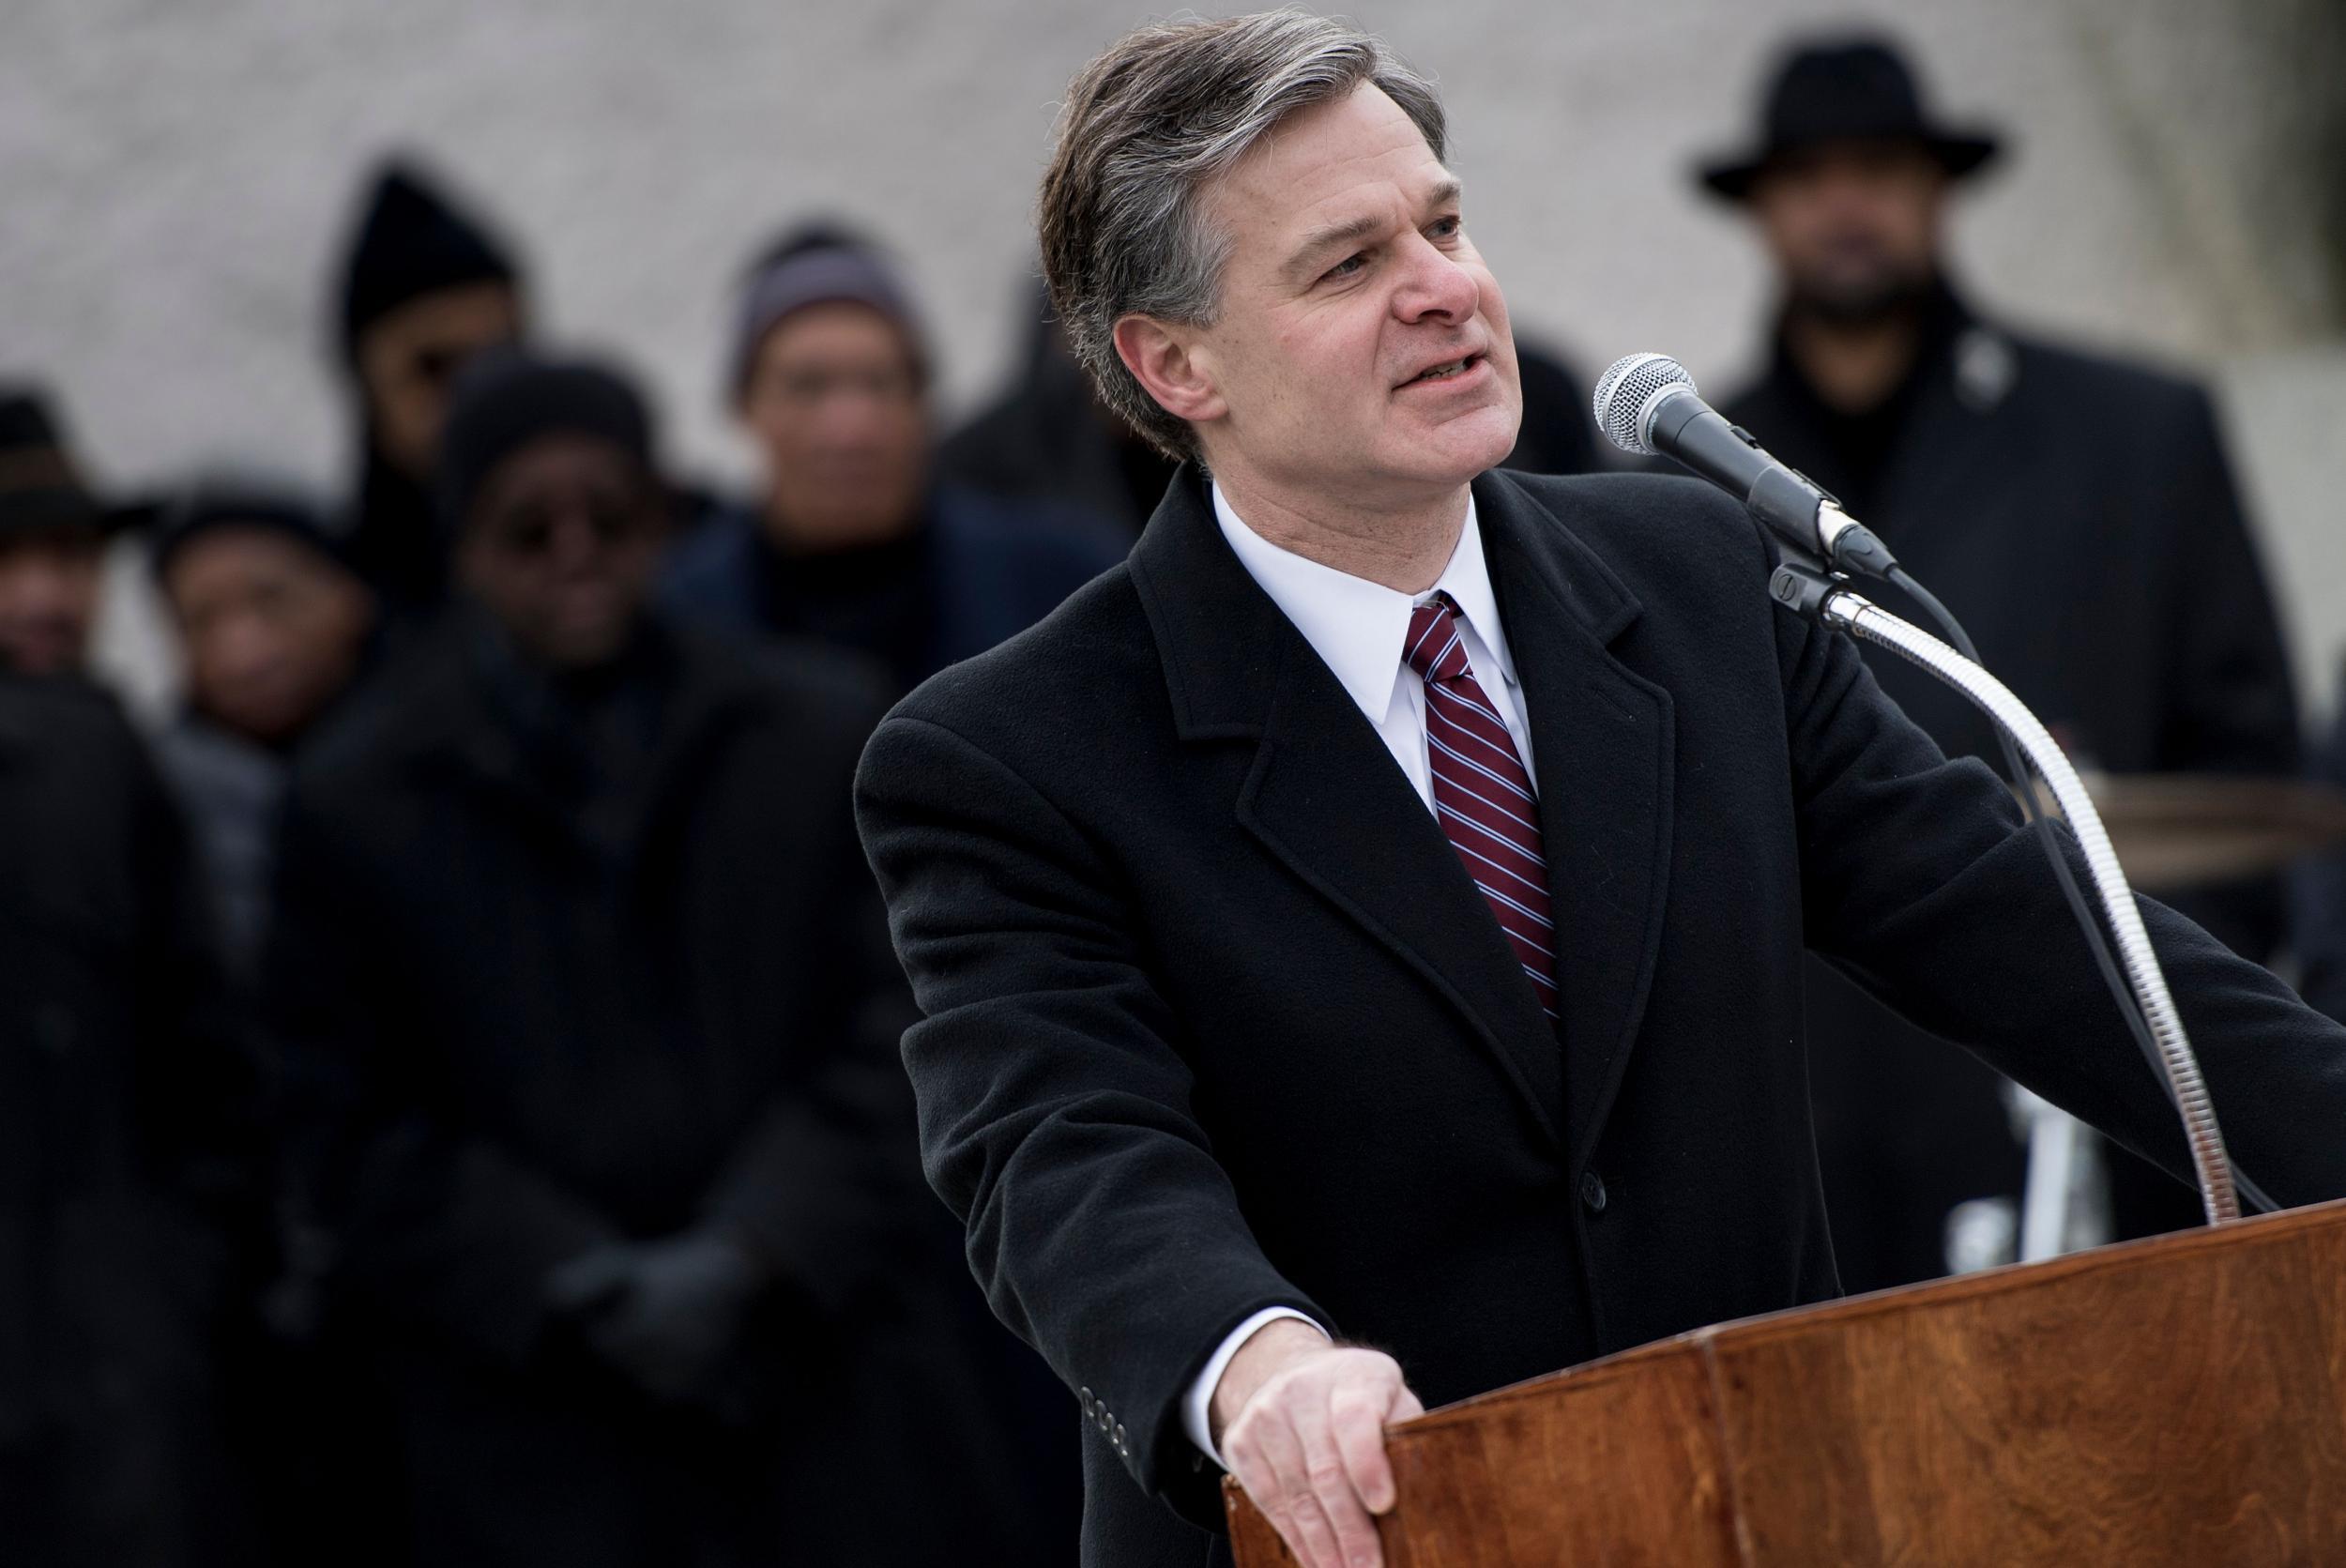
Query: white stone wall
[{"x": 175, "y": 177}]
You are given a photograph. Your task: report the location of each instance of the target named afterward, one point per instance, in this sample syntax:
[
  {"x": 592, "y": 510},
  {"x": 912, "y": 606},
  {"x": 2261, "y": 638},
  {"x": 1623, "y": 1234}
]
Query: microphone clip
[{"x": 1802, "y": 585}]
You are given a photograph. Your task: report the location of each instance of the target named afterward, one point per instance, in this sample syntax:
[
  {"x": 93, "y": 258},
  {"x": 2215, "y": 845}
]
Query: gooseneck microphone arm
[
  {"x": 1647, "y": 403},
  {"x": 1832, "y": 603}
]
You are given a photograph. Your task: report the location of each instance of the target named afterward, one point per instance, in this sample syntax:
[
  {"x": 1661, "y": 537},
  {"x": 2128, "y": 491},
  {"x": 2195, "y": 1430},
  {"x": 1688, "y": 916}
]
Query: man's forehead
[
  {"x": 246, "y": 546},
  {"x": 455, "y": 308},
  {"x": 1330, "y": 165}
]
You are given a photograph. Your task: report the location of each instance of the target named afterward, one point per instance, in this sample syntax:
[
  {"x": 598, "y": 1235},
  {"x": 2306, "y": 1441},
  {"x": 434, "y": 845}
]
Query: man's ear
[{"x": 1165, "y": 359}]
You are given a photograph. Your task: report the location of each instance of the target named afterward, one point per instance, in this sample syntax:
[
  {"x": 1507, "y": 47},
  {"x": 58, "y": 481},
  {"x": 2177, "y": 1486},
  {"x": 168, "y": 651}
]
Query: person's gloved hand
[{"x": 665, "y": 1313}]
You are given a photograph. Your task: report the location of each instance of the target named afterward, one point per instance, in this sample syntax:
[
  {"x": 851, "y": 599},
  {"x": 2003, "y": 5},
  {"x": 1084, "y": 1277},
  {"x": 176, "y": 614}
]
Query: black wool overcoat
[
  {"x": 521, "y": 1030},
  {"x": 132, "y": 1210},
  {"x": 1216, "y": 1021}
]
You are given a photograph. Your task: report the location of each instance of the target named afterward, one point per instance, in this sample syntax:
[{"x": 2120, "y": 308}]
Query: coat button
[
  {"x": 1593, "y": 1192},
  {"x": 1083, "y": 1397}
]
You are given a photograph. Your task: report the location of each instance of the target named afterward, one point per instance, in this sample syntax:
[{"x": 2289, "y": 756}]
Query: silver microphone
[{"x": 1647, "y": 403}]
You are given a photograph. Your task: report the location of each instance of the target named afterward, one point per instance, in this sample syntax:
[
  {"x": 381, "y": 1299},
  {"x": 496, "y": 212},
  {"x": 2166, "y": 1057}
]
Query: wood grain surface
[{"x": 2181, "y": 1400}]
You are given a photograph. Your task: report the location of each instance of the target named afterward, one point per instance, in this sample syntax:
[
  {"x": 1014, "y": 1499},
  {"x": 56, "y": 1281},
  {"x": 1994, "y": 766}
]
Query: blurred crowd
[{"x": 448, "y": 1102}]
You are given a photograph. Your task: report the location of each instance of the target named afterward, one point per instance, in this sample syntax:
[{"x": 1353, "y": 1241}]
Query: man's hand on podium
[{"x": 1302, "y": 1424}]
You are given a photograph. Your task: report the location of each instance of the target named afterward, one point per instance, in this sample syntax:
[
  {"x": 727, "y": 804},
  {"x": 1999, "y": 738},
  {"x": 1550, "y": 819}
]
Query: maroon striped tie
[{"x": 1482, "y": 794}]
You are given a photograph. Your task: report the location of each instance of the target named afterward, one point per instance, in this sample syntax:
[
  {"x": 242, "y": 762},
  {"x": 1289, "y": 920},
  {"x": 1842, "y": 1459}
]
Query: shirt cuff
[{"x": 1197, "y": 1404}]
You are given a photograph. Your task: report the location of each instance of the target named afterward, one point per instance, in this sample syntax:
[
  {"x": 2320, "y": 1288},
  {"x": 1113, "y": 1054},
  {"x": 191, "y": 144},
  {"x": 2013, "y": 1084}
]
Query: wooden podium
[{"x": 2181, "y": 1400}]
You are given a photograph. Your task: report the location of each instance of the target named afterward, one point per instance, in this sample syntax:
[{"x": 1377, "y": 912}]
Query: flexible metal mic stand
[{"x": 1829, "y": 601}]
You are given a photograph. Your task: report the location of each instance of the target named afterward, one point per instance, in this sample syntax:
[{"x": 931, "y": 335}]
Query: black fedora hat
[
  {"x": 40, "y": 487},
  {"x": 1841, "y": 90}
]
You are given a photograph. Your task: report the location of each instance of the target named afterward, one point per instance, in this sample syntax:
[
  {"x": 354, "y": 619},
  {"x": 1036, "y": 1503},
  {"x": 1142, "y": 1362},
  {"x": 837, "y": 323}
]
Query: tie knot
[{"x": 1435, "y": 649}]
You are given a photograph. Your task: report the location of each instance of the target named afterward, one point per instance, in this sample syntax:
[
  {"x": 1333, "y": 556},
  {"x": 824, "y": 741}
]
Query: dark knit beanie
[
  {"x": 412, "y": 241},
  {"x": 245, "y": 498},
  {"x": 509, "y": 398},
  {"x": 820, "y": 265}
]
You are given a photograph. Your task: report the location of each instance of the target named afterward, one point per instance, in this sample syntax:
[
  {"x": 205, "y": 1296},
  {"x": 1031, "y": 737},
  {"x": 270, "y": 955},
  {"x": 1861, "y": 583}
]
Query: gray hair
[{"x": 1146, "y": 127}]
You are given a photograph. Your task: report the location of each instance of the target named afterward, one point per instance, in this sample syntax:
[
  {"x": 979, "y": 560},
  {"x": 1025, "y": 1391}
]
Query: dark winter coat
[
  {"x": 980, "y": 569},
  {"x": 130, "y": 1182},
  {"x": 552, "y": 988},
  {"x": 1216, "y": 1021}
]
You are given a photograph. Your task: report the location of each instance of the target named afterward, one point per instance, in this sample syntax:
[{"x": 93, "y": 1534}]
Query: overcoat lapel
[
  {"x": 1602, "y": 742},
  {"x": 1323, "y": 795}
]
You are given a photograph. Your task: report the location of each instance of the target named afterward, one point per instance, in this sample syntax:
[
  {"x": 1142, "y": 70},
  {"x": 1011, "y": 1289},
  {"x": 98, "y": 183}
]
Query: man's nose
[
  {"x": 1434, "y": 284},
  {"x": 247, "y": 645},
  {"x": 852, "y": 421},
  {"x": 1844, "y": 194},
  {"x": 51, "y": 589},
  {"x": 574, "y": 543}
]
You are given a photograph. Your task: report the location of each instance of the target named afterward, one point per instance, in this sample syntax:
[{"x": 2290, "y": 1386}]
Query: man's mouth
[{"x": 1448, "y": 371}]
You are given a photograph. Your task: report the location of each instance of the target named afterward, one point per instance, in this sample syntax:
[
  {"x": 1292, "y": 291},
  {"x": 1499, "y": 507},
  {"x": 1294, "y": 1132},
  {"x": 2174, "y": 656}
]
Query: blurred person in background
[
  {"x": 53, "y": 541},
  {"x": 603, "y": 1016},
  {"x": 129, "y": 1182},
  {"x": 425, "y": 287},
  {"x": 2320, "y": 888},
  {"x": 852, "y": 542},
  {"x": 855, "y": 543},
  {"x": 274, "y": 627},
  {"x": 2077, "y": 512},
  {"x": 1049, "y": 438}
]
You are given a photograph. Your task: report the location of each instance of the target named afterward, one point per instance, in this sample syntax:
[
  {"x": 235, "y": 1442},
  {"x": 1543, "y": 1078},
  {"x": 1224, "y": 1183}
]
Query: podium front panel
[{"x": 2175, "y": 1401}]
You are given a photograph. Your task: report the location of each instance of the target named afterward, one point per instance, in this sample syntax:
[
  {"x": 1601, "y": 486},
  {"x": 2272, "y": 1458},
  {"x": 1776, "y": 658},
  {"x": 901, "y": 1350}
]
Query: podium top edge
[{"x": 2289, "y": 1225}]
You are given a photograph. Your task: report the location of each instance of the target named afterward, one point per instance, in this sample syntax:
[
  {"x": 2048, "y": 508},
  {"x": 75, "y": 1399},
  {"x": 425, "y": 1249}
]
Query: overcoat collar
[{"x": 1324, "y": 797}]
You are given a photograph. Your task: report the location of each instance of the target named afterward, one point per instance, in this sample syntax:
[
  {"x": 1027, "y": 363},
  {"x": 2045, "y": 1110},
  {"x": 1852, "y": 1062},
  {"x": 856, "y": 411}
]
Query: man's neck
[
  {"x": 243, "y": 742},
  {"x": 787, "y": 538},
  {"x": 1404, "y": 547},
  {"x": 1853, "y": 366}
]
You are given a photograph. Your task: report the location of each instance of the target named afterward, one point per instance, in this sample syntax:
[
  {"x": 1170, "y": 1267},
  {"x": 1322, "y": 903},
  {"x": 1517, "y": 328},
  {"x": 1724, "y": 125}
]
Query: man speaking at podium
[{"x": 1373, "y": 915}]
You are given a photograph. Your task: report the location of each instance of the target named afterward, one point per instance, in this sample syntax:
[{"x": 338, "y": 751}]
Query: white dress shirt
[{"x": 1358, "y": 627}]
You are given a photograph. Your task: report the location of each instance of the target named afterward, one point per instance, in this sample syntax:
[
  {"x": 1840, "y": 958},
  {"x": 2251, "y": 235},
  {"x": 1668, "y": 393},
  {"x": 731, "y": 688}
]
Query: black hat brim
[
  {"x": 1960, "y": 152},
  {"x": 228, "y": 501},
  {"x": 47, "y": 511}
]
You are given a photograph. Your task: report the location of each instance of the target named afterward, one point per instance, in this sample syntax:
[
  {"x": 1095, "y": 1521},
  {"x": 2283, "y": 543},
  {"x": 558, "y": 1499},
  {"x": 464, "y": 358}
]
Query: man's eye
[
  {"x": 1448, "y": 228},
  {"x": 1346, "y": 268}
]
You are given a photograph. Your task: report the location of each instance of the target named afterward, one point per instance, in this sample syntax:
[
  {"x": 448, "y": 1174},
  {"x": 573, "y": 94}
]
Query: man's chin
[
  {"x": 1861, "y": 302},
  {"x": 35, "y": 653},
  {"x": 1461, "y": 447},
  {"x": 582, "y": 642}
]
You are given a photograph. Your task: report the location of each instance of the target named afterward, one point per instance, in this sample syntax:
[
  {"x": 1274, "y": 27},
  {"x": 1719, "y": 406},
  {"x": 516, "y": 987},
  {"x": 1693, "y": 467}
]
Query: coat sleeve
[
  {"x": 1054, "y": 1105},
  {"x": 825, "y": 1187},
  {"x": 447, "y": 1230},
  {"x": 1920, "y": 881}
]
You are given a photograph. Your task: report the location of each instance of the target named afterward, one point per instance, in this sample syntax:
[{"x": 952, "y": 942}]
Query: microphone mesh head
[{"x": 1628, "y": 393}]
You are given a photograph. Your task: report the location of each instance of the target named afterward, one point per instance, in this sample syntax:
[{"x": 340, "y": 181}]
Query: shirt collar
[{"x": 1357, "y": 627}]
